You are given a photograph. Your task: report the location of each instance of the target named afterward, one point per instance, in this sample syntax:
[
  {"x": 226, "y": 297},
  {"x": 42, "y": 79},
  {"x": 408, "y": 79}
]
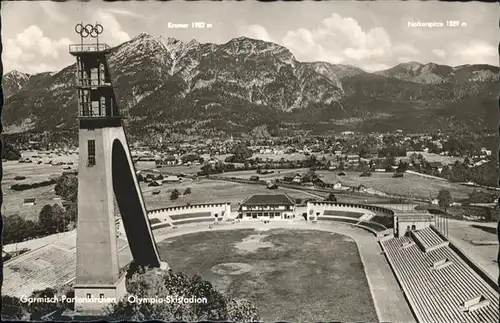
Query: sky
[{"x": 370, "y": 35}]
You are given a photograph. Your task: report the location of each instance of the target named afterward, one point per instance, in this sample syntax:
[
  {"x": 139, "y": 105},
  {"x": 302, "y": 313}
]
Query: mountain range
[{"x": 188, "y": 88}]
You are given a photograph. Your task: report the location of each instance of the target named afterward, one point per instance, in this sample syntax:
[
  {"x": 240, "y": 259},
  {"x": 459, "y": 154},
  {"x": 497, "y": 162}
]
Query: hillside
[
  {"x": 437, "y": 74},
  {"x": 163, "y": 84}
]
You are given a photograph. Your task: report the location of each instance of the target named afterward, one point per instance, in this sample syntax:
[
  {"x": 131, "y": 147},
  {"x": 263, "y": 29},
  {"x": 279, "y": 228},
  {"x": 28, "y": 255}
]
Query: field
[
  {"x": 290, "y": 275},
  {"x": 32, "y": 172},
  {"x": 415, "y": 185},
  {"x": 209, "y": 191},
  {"x": 169, "y": 169},
  {"x": 13, "y": 200},
  {"x": 278, "y": 174},
  {"x": 430, "y": 157}
]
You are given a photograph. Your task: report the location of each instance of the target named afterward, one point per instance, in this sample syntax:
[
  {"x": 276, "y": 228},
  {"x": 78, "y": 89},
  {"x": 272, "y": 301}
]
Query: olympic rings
[
  {"x": 89, "y": 30},
  {"x": 78, "y": 28}
]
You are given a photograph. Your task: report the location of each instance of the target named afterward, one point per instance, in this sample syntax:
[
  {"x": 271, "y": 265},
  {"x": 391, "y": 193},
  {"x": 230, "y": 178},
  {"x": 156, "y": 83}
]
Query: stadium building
[{"x": 267, "y": 207}]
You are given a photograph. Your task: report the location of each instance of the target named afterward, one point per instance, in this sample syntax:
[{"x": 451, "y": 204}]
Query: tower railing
[
  {"x": 88, "y": 48},
  {"x": 90, "y": 82}
]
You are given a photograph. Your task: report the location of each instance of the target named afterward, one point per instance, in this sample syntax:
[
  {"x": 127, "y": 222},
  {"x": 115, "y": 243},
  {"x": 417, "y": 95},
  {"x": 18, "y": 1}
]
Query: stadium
[{"x": 417, "y": 275}]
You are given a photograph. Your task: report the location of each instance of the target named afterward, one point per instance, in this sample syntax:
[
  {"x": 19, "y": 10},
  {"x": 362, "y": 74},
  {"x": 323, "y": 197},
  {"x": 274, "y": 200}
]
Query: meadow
[
  {"x": 169, "y": 169},
  {"x": 209, "y": 191},
  {"x": 13, "y": 200},
  {"x": 431, "y": 157},
  {"x": 417, "y": 186},
  {"x": 290, "y": 275},
  {"x": 414, "y": 185},
  {"x": 278, "y": 174}
]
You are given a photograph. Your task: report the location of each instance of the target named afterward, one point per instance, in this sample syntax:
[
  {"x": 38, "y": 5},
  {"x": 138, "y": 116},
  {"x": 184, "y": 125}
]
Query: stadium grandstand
[{"x": 438, "y": 283}]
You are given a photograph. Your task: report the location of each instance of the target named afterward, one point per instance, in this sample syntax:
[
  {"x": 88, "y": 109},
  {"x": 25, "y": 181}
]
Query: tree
[
  {"x": 390, "y": 161},
  {"x": 52, "y": 219},
  {"x": 309, "y": 177},
  {"x": 13, "y": 309},
  {"x": 71, "y": 214},
  {"x": 67, "y": 187},
  {"x": 175, "y": 194},
  {"x": 187, "y": 191},
  {"x": 331, "y": 197},
  {"x": 482, "y": 197},
  {"x": 39, "y": 309},
  {"x": 239, "y": 154},
  {"x": 241, "y": 311},
  {"x": 444, "y": 199},
  {"x": 402, "y": 167},
  {"x": 9, "y": 152}
]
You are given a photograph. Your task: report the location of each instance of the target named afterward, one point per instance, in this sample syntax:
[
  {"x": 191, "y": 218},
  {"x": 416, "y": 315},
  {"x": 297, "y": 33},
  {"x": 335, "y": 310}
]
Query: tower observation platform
[{"x": 97, "y": 106}]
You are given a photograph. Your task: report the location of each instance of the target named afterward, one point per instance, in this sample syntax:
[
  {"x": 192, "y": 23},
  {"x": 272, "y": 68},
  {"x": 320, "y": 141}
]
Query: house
[
  {"x": 337, "y": 186},
  {"x": 319, "y": 182},
  {"x": 353, "y": 159},
  {"x": 485, "y": 151},
  {"x": 436, "y": 166},
  {"x": 169, "y": 160},
  {"x": 171, "y": 179},
  {"x": 297, "y": 179},
  {"x": 360, "y": 188},
  {"x": 371, "y": 153},
  {"x": 29, "y": 201},
  {"x": 272, "y": 186},
  {"x": 155, "y": 184},
  {"x": 158, "y": 177},
  {"x": 267, "y": 207}
]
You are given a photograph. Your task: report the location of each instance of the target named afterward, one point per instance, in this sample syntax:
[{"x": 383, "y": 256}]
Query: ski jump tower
[{"x": 107, "y": 183}]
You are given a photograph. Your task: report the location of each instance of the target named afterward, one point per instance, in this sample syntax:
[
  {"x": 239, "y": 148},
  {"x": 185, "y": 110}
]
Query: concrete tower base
[
  {"x": 106, "y": 173},
  {"x": 95, "y": 299}
]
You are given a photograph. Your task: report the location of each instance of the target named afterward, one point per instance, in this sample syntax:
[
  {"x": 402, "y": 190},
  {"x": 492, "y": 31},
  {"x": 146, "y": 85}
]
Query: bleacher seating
[
  {"x": 189, "y": 221},
  {"x": 335, "y": 219},
  {"x": 385, "y": 220},
  {"x": 372, "y": 225},
  {"x": 154, "y": 221},
  {"x": 49, "y": 266},
  {"x": 176, "y": 217},
  {"x": 428, "y": 240},
  {"x": 347, "y": 214},
  {"x": 67, "y": 243},
  {"x": 160, "y": 225},
  {"x": 439, "y": 284}
]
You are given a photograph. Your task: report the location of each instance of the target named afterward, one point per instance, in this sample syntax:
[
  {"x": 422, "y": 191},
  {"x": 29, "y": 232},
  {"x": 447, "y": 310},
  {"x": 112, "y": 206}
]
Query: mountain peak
[
  {"x": 143, "y": 35},
  {"x": 14, "y": 81},
  {"x": 16, "y": 73},
  {"x": 412, "y": 65}
]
